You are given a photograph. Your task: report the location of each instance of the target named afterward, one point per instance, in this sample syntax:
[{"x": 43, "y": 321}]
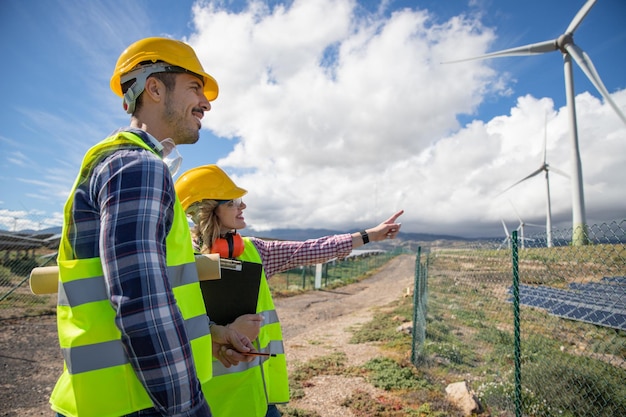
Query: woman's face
[{"x": 230, "y": 215}]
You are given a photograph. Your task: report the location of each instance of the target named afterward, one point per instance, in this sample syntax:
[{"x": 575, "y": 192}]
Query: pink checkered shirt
[{"x": 278, "y": 256}]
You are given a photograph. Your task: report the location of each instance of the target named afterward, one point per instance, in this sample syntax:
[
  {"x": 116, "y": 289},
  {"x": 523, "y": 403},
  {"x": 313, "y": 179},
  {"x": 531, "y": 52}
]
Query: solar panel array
[{"x": 602, "y": 303}]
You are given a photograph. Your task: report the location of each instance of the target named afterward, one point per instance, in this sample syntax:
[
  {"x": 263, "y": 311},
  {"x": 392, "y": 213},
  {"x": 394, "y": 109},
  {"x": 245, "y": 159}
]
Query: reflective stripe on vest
[
  {"x": 89, "y": 290},
  {"x": 102, "y": 355},
  {"x": 97, "y": 379}
]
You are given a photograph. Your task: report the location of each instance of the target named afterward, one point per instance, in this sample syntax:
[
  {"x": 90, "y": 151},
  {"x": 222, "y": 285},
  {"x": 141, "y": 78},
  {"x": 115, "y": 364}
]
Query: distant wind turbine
[
  {"x": 507, "y": 240},
  {"x": 520, "y": 227},
  {"x": 546, "y": 168},
  {"x": 565, "y": 44}
]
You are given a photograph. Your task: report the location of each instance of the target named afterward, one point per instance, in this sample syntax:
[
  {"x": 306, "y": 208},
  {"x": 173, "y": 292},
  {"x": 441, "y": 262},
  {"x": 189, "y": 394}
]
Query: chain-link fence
[
  {"x": 420, "y": 304},
  {"x": 23, "y": 253},
  {"x": 536, "y": 329},
  {"x": 335, "y": 273},
  {"x": 20, "y": 254}
]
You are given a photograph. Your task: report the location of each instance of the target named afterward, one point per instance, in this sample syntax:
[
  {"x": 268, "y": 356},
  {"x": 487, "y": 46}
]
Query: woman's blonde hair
[{"x": 207, "y": 225}]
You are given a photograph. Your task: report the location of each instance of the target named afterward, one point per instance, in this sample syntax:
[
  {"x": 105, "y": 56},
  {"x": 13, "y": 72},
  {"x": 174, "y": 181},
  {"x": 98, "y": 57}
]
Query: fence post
[
  {"x": 416, "y": 304},
  {"x": 318, "y": 276},
  {"x": 516, "y": 325}
]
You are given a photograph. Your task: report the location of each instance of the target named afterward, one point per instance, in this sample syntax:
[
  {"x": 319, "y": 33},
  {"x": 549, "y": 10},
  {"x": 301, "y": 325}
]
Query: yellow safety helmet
[
  {"x": 166, "y": 55},
  {"x": 206, "y": 182}
]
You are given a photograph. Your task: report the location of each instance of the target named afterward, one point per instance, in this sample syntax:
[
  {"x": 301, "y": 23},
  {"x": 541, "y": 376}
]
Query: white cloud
[{"x": 349, "y": 140}]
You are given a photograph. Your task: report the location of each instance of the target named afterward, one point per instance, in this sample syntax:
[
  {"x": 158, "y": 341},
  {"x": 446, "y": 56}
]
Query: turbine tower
[
  {"x": 545, "y": 167},
  {"x": 565, "y": 44}
]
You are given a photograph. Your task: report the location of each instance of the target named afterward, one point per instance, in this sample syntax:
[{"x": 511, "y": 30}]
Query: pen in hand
[{"x": 258, "y": 354}]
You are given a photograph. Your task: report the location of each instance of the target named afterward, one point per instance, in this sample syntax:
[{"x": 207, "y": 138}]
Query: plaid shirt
[
  {"x": 122, "y": 213},
  {"x": 278, "y": 256}
]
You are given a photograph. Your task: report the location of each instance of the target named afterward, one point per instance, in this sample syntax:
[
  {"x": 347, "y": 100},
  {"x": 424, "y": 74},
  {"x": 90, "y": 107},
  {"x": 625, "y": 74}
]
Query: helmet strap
[{"x": 140, "y": 75}]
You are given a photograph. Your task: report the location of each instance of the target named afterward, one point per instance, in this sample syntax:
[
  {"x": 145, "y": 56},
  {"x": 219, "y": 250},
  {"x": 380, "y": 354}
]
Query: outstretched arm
[{"x": 281, "y": 255}]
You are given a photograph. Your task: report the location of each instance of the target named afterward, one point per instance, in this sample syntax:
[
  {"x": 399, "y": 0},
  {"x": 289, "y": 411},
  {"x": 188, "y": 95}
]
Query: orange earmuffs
[{"x": 229, "y": 246}]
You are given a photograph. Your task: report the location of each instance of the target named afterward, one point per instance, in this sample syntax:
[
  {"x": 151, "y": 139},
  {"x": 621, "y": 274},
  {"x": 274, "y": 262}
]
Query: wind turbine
[
  {"x": 545, "y": 167},
  {"x": 520, "y": 227},
  {"x": 507, "y": 239},
  {"x": 565, "y": 44}
]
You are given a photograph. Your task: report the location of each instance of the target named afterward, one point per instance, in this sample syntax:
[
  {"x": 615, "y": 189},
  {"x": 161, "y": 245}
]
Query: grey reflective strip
[
  {"x": 184, "y": 274},
  {"x": 90, "y": 290},
  {"x": 275, "y": 347},
  {"x": 61, "y": 297},
  {"x": 219, "y": 369},
  {"x": 93, "y": 357},
  {"x": 108, "y": 354},
  {"x": 269, "y": 317},
  {"x": 197, "y": 326},
  {"x": 83, "y": 291}
]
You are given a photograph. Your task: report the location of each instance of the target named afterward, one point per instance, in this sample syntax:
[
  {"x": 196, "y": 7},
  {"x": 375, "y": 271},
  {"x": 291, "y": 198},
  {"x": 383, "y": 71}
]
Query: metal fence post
[
  {"x": 516, "y": 325},
  {"x": 416, "y": 304}
]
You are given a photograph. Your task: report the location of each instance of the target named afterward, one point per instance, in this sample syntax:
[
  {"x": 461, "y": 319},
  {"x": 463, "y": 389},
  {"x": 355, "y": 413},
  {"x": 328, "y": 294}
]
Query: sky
[{"x": 333, "y": 114}]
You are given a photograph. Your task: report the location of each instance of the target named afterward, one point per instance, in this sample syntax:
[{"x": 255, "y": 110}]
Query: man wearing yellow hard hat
[{"x": 132, "y": 324}]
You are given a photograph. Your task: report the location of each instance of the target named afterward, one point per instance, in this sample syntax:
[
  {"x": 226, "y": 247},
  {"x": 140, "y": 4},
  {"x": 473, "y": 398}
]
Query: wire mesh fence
[
  {"x": 335, "y": 273},
  {"x": 17, "y": 300},
  {"x": 570, "y": 359}
]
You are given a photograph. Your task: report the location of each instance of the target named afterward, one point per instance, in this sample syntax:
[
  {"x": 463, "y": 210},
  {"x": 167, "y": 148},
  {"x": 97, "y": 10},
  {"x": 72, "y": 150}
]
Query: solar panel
[{"x": 600, "y": 303}]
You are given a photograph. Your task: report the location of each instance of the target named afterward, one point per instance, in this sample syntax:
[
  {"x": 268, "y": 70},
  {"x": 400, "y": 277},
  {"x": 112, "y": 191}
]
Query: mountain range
[{"x": 284, "y": 234}]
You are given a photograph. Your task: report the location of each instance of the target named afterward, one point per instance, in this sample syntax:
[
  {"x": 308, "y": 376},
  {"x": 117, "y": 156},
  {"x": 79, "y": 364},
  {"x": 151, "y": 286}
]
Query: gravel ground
[{"x": 314, "y": 324}]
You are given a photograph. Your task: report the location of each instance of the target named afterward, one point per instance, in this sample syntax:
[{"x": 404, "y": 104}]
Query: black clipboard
[{"x": 235, "y": 293}]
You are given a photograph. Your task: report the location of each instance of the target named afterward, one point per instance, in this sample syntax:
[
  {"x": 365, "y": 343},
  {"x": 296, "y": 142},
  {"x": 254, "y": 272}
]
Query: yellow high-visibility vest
[
  {"x": 97, "y": 378},
  {"x": 248, "y": 388}
]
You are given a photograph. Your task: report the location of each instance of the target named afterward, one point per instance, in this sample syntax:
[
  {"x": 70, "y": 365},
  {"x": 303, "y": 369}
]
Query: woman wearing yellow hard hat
[{"x": 214, "y": 203}]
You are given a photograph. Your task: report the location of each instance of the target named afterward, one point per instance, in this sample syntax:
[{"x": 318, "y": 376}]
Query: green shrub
[{"x": 387, "y": 374}]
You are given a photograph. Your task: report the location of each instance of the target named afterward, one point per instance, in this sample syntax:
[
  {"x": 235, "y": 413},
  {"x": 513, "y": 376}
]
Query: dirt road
[{"x": 314, "y": 324}]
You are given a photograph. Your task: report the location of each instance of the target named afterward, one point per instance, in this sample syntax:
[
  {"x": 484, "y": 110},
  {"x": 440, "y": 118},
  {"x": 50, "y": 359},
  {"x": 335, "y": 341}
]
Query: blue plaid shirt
[{"x": 123, "y": 213}]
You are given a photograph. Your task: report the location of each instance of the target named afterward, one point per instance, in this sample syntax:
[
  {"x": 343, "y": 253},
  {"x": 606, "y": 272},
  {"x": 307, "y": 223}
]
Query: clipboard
[{"x": 235, "y": 293}]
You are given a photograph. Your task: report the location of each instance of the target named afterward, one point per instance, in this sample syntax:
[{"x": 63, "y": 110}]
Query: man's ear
[{"x": 154, "y": 89}]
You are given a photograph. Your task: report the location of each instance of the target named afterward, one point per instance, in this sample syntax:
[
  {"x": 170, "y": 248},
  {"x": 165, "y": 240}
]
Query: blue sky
[{"x": 332, "y": 113}]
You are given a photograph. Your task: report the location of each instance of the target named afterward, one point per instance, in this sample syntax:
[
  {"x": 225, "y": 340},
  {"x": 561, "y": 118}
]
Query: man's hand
[{"x": 229, "y": 346}]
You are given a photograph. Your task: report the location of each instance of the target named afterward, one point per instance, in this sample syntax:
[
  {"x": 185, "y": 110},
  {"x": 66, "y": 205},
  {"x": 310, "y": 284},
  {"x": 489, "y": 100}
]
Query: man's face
[{"x": 184, "y": 108}]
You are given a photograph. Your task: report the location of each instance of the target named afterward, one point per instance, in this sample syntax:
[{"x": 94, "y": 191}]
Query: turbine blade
[
  {"x": 558, "y": 171},
  {"x": 506, "y": 231},
  {"x": 531, "y": 49},
  {"x": 584, "y": 62},
  {"x": 580, "y": 16},
  {"x": 535, "y": 172},
  {"x": 534, "y": 225}
]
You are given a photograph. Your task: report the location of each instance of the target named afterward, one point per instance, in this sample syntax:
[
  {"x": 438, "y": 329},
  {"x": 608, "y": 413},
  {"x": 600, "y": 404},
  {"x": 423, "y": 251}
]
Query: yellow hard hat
[
  {"x": 160, "y": 52},
  {"x": 206, "y": 182}
]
